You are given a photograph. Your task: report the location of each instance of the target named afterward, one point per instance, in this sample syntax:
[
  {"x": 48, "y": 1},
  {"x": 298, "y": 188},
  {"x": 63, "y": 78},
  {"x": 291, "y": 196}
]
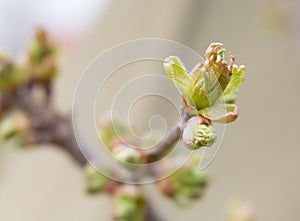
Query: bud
[
  {"x": 109, "y": 132},
  {"x": 94, "y": 180},
  {"x": 198, "y": 132},
  {"x": 2, "y": 105},
  {"x": 185, "y": 185},
  {"x": 41, "y": 60},
  {"x": 12, "y": 125},
  {"x": 11, "y": 75},
  {"x": 203, "y": 88},
  {"x": 167, "y": 187},
  {"x": 129, "y": 205},
  {"x": 127, "y": 154},
  {"x": 192, "y": 183},
  {"x": 241, "y": 212}
]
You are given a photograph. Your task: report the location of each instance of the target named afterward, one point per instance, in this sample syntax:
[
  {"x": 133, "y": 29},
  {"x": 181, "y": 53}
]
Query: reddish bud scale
[{"x": 198, "y": 120}]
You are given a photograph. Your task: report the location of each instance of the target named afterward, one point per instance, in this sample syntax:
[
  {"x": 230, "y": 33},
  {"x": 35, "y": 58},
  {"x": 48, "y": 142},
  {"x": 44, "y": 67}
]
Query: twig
[
  {"x": 48, "y": 126},
  {"x": 168, "y": 142}
]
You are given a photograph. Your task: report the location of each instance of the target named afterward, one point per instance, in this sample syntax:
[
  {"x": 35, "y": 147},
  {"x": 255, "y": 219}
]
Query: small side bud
[
  {"x": 13, "y": 125},
  {"x": 167, "y": 188},
  {"x": 129, "y": 204},
  {"x": 110, "y": 133},
  {"x": 241, "y": 212},
  {"x": 198, "y": 132},
  {"x": 94, "y": 181},
  {"x": 11, "y": 75},
  {"x": 185, "y": 185},
  {"x": 41, "y": 58},
  {"x": 127, "y": 154}
]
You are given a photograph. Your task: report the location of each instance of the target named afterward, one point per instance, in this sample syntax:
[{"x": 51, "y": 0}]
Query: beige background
[{"x": 259, "y": 159}]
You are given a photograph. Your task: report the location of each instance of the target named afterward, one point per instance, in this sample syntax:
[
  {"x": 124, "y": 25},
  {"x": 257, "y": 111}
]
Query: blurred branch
[
  {"x": 41, "y": 124},
  {"x": 154, "y": 154},
  {"x": 151, "y": 214},
  {"x": 48, "y": 126}
]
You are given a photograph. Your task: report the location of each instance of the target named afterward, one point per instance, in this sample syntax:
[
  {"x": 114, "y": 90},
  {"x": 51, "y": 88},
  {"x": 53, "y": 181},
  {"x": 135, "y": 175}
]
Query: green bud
[
  {"x": 41, "y": 59},
  {"x": 127, "y": 154},
  {"x": 7, "y": 128},
  {"x": 11, "y": 75},
  {"x": 241, "y": 212},
  {"x": 129, "y": 205},
  {"x": 94, "y": 180},
  {"x": 13, "y": 125},
  {"x": 109, "y": 133},
  {"x": 197, "y": 133},
  {"x": 185, "y": 185},
  {"x": 193, "y": 177},
  {"x": 190, "y": 185}
]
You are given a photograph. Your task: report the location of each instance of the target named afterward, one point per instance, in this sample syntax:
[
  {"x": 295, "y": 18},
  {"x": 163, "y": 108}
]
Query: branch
[
  {"x": 151, "y": 214},
  {"x": 48, "y": 126},
  {"x": 156, "y": 153}
]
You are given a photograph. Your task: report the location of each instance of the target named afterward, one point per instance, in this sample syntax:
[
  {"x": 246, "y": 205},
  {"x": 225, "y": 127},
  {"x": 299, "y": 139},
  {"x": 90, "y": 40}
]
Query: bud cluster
[
  {"x": 41, "y": 58},
  {"x": 115, "y": 138},
  {"x": 210, "y": 83},
  {"x": 129, "y": 204},
  {"x": 208, "y": 91},
  {"x": 185, "y": 185}
]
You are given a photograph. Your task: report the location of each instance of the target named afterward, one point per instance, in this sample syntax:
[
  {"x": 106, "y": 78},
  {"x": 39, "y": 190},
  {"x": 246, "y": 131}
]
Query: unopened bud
[
  {"x": 127, "y": 154},
  {"x": 41, "y": 60},
  {"x": 192, "y": 183},
  {"x": 11, "y": 75},
  {"x": 12, "y": 125},
  {"x": 198, "y": 133},
  {"x": 111, "y": 132},
  {"x": 167, "y": 188},
  {"x": 241, "y": 212},
  {"x": 185, "y": 185},
  {"x": 94, "y": 180},
  {"x": 129, "y": 204}
]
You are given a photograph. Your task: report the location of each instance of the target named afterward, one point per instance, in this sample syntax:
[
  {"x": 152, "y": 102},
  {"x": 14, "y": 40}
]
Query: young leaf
[
  {"x": 235, "y": 83},
  {"x": 179, "y": 76}
]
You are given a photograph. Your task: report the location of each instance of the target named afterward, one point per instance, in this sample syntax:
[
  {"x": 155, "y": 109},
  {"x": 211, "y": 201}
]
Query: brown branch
[
  {"x": 45, "y": 125},
  {"x": 59, "y": 131},
  {"x": 156, "y": 153},
  {"x": 48, "y": 126},
  {"x": 151, "y": 214}
]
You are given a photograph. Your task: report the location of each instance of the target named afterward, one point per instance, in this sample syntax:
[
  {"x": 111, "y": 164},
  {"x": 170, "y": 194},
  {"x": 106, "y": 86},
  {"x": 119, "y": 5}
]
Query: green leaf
[
  {"x": 179, "y": 76},
  {"x": 221, "y": 113},
  {"x": 235, "y": 83}
]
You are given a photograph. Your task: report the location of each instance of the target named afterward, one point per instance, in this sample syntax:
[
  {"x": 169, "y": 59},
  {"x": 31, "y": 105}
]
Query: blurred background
[{"x": 260, "y": 155}]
